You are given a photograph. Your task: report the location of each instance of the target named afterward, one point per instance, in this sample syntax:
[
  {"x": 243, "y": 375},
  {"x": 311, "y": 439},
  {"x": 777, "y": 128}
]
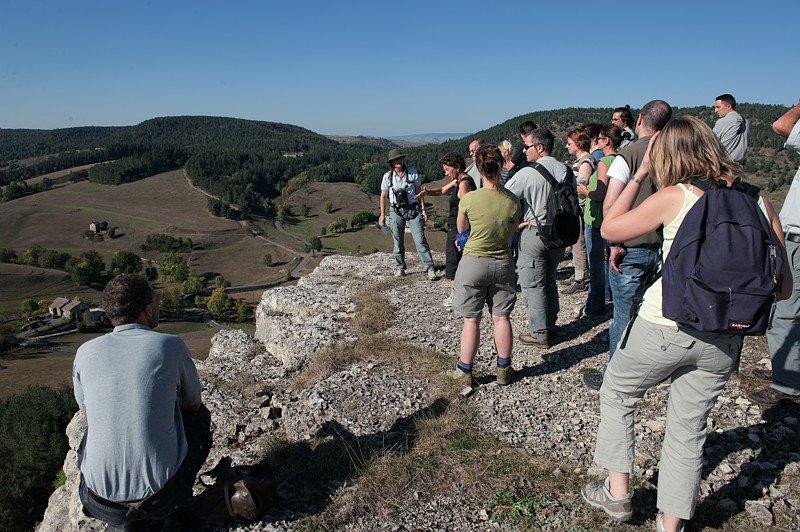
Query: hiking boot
[
  {"x": 529, "y": 339},
  {"x": 399, "y": 272},
  {"x": 762, "y": 373},
  {"x": 568, "y": 281},
  {"x": 769, "y": 396},
  {"x": 465, "y": 381},
  {"x": 574, "y": 288},
  {"x": 597, "y": 494},
  {"x": 432, "y": 274},
  {"x": 593, "y": 379},
  {"x": 660, "y": 524},
  {"x": 505, "y": 375}
]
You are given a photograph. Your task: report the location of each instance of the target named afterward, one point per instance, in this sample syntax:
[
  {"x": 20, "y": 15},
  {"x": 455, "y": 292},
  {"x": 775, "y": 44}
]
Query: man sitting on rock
[{"x": 148, "y": 433}]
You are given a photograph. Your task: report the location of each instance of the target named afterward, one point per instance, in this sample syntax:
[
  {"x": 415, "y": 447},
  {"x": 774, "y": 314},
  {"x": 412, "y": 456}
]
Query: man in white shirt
[
  {"x": 472, "y": 170},
  {"x": 783, "y": 337},
  {"x": 631, "y": 263},
  {"x": 732, "y": 130}
]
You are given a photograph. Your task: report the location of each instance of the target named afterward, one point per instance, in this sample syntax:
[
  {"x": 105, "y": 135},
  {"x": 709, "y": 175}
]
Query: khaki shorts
[{"x": 484, "y": 281}]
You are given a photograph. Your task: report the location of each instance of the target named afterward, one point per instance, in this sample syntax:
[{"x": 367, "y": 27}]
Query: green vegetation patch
[{"x": 32, "y": 449}]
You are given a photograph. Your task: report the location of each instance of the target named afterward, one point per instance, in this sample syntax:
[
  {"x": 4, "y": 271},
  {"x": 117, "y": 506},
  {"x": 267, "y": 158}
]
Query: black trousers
[
  {"x": 451, "y": 254},
  {"x": 175, "y": 493}
]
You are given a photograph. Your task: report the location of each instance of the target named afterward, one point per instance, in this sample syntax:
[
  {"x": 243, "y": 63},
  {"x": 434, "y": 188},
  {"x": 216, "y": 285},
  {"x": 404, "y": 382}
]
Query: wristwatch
[{"x": 637, "y": 180}]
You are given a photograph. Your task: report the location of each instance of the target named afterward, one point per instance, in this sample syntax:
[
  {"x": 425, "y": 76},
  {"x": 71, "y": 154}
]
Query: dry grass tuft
[
  {"x": 377, "y": 349},
  {"x": 448, "y": 453}
]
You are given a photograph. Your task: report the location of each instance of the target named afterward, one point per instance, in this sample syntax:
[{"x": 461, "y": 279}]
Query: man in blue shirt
[{"x": 148, "y": 433}]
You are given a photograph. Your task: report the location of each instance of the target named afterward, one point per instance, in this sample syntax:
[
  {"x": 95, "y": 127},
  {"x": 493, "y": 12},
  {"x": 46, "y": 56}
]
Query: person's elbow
[{"x": 780, "y": 129}]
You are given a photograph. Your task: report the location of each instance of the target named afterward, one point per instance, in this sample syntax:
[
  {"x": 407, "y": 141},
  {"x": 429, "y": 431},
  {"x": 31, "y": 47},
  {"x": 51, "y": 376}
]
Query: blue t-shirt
[{"x": 130, "y": 383}]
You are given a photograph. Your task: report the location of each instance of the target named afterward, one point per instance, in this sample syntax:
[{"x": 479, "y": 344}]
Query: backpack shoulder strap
[
  {"x": 547, "y": 175},
  {"x": 746, "y": 188}
]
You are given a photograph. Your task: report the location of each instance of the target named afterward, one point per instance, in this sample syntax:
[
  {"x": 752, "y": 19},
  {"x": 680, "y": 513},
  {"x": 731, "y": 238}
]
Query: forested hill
[
  {"x": 766, "y": 159},
  {"x": 243, "y": 162},
  {"x": 185, "y": 131}
]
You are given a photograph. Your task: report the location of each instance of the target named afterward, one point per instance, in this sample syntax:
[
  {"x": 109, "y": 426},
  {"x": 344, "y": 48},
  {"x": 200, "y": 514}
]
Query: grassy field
[
  {"x": 51, "y": 364},
  {"x": 348, "y": 198},
  {"x": 160, "y": 204},
  {"x": 18, "y": 283},
  {"x": 58, "y": 174}
]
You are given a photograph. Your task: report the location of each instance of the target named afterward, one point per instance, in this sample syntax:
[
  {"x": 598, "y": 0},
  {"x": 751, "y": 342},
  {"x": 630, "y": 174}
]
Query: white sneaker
[
  {"x": 399, "y": 272},
  {"x": 432, "y": 274},
  {"x": 448, "y": 302}
]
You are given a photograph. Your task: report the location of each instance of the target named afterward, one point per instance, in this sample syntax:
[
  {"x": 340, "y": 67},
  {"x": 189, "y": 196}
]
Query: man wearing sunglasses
[{"x": 536, "y": 263}]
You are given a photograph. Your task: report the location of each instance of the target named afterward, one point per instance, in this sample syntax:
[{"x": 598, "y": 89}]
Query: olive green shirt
[{"x": 493, "y": 216}]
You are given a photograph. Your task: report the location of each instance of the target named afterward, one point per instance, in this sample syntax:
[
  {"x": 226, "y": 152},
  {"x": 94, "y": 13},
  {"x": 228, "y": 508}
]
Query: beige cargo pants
[{"x": 698, "y": 364}]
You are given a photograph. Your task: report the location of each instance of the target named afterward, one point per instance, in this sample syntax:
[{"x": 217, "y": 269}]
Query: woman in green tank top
[{"x": 608, "y": 140}]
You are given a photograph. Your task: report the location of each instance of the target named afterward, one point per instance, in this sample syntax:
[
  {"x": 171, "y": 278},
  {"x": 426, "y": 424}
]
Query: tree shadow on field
[{"x": 307, "y": 475}]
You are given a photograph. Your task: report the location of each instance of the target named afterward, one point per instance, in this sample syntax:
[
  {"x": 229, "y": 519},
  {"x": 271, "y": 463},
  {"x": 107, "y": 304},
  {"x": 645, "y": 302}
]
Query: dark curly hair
[
  {"x": 489, "y": 161},
  {"x": 625, "y": 114},
  {"x": 454, "y": 159},
  {"x": 125, "y": 297}
]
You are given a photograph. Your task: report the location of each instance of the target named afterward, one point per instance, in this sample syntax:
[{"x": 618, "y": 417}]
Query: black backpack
[
  {"x": 723, "y": 270},
  {"x": 562, "y": 227}
]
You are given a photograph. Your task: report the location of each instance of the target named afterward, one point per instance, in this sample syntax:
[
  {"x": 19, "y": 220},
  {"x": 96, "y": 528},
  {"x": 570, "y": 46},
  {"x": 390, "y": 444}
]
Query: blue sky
[{"x": 382, "y": 68}]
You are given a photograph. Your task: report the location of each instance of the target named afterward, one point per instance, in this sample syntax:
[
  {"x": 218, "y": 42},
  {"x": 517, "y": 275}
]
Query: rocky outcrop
[{"x": 750, "y": 460}]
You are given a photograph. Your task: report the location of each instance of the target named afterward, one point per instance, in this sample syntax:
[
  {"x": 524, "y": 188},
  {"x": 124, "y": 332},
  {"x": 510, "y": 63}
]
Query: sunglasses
[
  {"x": 528, "y": 146},
  {"x": 601, "y": 137}
]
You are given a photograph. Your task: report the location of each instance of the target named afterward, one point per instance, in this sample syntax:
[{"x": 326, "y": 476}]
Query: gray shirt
[
  {"x": 532, "y": 188},
  {"x": 472, "y": 171},
  {"x": 733, "y": 132},
  {"x": 790, "y": 212},
  {"x": 129, "y": 383}
]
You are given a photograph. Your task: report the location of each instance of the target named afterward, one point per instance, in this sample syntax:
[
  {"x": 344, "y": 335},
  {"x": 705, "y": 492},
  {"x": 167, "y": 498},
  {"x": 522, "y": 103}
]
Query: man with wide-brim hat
[
  {"x": 399, "y": 188},
  {"x": 394, "y": 153}
]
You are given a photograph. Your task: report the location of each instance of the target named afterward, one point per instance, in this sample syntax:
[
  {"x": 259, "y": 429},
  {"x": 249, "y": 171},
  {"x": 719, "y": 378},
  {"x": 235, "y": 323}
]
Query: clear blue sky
[{"x": 382, "y": 68}]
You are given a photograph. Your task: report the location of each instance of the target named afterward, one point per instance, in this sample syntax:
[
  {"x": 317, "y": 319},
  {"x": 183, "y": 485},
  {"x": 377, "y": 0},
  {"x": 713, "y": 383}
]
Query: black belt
[{"x": 793, "y": 237}]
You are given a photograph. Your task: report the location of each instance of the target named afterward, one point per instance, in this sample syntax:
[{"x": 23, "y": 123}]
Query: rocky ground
[{"x": 346, "y": 435}]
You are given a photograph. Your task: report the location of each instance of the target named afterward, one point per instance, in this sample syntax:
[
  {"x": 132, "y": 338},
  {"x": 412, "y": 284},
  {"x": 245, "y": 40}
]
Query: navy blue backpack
[{"x": 723, "y": 270}]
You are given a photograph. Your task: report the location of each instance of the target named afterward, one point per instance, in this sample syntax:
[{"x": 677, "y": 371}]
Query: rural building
[
  {"x": 95, "y": 314},
  {"x": 74, "y": 309},
  {"x": 98, "y": 227},
  {"x": 56, "y": 308}
]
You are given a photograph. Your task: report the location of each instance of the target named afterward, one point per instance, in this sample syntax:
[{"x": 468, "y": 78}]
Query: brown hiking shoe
[
  {"x": 505, "y": 375},
  {"x": 464, "y": 380},
  {"x": 528, "y": 339},
  {"x": 596, "y": 494},
  {"x": 769, "y": 396}
]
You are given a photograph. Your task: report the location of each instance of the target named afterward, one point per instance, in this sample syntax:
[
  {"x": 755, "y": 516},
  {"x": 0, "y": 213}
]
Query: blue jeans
[
  {"x": 417, "y": 225},
  {"x": 596, "y": 254},
  {"x": 627, "y": 287}
]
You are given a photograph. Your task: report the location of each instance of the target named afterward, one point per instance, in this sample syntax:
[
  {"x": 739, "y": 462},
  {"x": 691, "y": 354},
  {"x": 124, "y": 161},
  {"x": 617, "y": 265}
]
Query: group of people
[
  {"x": 148, "y": 433},
  {"x": 636, "y": 181}
]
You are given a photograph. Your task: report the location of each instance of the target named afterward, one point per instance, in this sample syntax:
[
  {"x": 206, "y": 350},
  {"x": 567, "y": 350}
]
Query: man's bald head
[{"x": 654, "y": 116}]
